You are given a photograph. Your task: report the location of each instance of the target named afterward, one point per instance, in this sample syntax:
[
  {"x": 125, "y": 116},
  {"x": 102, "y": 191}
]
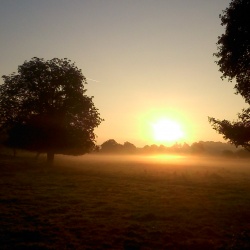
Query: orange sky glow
[{"x": 145, "y": 61}]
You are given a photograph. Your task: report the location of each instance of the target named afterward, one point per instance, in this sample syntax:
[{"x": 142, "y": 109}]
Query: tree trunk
[
  {"x": 37, "y": 155},
  {"x": 14, "y": 152},
  {"x": 50, "y": 157}
]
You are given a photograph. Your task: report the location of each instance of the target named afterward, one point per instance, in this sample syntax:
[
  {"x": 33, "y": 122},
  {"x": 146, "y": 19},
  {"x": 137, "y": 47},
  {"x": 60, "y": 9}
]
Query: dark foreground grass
[{"x": 116, "y": 203}]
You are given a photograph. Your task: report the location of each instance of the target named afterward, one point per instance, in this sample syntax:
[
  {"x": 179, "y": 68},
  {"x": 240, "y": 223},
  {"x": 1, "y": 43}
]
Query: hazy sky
[{"x": 149, "y": 59}]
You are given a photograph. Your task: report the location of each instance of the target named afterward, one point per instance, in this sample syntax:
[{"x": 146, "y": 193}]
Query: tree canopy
[
  {"x": 234, "y": 62},
  {"x": 237, "y": 132},
  {"x": 44, "y": 108},
  {"x": 234, "y": 46}
]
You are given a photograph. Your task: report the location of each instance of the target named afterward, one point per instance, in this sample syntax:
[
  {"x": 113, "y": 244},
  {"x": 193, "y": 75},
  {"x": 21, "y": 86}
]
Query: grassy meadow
[{"x": 119, "y": 202}]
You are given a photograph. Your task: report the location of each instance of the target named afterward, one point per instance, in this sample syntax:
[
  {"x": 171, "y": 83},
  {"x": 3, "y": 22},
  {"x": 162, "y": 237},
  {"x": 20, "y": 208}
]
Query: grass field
[{"x": 112, "y": 202}]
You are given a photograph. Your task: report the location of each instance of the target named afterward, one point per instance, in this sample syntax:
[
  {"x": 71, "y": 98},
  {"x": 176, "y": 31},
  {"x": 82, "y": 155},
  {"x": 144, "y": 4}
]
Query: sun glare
[{"x": 165, "y": 130}]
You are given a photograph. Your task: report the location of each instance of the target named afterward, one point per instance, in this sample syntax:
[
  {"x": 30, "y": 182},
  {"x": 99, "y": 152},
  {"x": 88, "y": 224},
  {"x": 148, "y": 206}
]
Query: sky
[{"x": 145, "y": 60}]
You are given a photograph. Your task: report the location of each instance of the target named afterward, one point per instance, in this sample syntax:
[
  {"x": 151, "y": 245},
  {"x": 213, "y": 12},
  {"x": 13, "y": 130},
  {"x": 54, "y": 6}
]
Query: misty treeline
[{"x": 111, "y": 146}]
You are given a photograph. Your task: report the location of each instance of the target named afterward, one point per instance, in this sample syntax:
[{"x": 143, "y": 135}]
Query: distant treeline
[
  {"x": 112, "y": 147},
  {"x": 201, "y": 147}
]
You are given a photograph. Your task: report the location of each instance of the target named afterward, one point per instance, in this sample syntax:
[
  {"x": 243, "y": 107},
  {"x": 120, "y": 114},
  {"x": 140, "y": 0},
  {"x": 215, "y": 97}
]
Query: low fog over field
[
  {"x": 125, "y": 202},
  {"x": 192, "y": 168},
  {"x": 167, "y": 161}
]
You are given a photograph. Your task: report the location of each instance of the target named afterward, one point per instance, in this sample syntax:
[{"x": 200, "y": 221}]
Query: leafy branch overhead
[{"x": 234, "y": 46}]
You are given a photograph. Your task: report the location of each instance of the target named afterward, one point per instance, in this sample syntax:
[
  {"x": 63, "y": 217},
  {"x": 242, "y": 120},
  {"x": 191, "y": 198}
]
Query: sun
[{"x": 165, "y": 130}]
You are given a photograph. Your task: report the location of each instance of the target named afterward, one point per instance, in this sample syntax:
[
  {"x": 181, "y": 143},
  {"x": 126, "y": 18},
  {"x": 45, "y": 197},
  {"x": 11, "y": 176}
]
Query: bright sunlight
[{"x": 166, "y": 130}]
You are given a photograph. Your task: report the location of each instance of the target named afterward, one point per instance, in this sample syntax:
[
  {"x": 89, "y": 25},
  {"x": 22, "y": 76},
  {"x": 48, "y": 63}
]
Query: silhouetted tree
[
  {"x": 129, "y": 147},
  {"x": 237, "y": 132},
  {"x": 97, "y": 148},
  {"x": 234, "y": 46},
  {"x": 197, "y": 148},
  {"x": 234, "y": 62},
  {"x": 162, "y": 149},
  {"x": 154, "y": 148},
  {"x": 146, "y": 149},
  {"x": 111, "y": 146},
  {"x": 44, "y": 108}
]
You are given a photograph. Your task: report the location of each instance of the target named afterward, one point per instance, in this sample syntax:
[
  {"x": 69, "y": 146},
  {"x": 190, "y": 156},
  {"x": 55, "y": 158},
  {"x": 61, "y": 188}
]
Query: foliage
[
  {"x": 44, "y": 108},
  {"x": 234, "y": 46},
  {"x": 129, "y": 147},
  {"x": 237, "y": 132},
  {"x": 234, "y": 63},
  {"x": 202, "y": 147},
  {"x": 111, "y": 146},
  {"x": 197, "y": 147}
]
